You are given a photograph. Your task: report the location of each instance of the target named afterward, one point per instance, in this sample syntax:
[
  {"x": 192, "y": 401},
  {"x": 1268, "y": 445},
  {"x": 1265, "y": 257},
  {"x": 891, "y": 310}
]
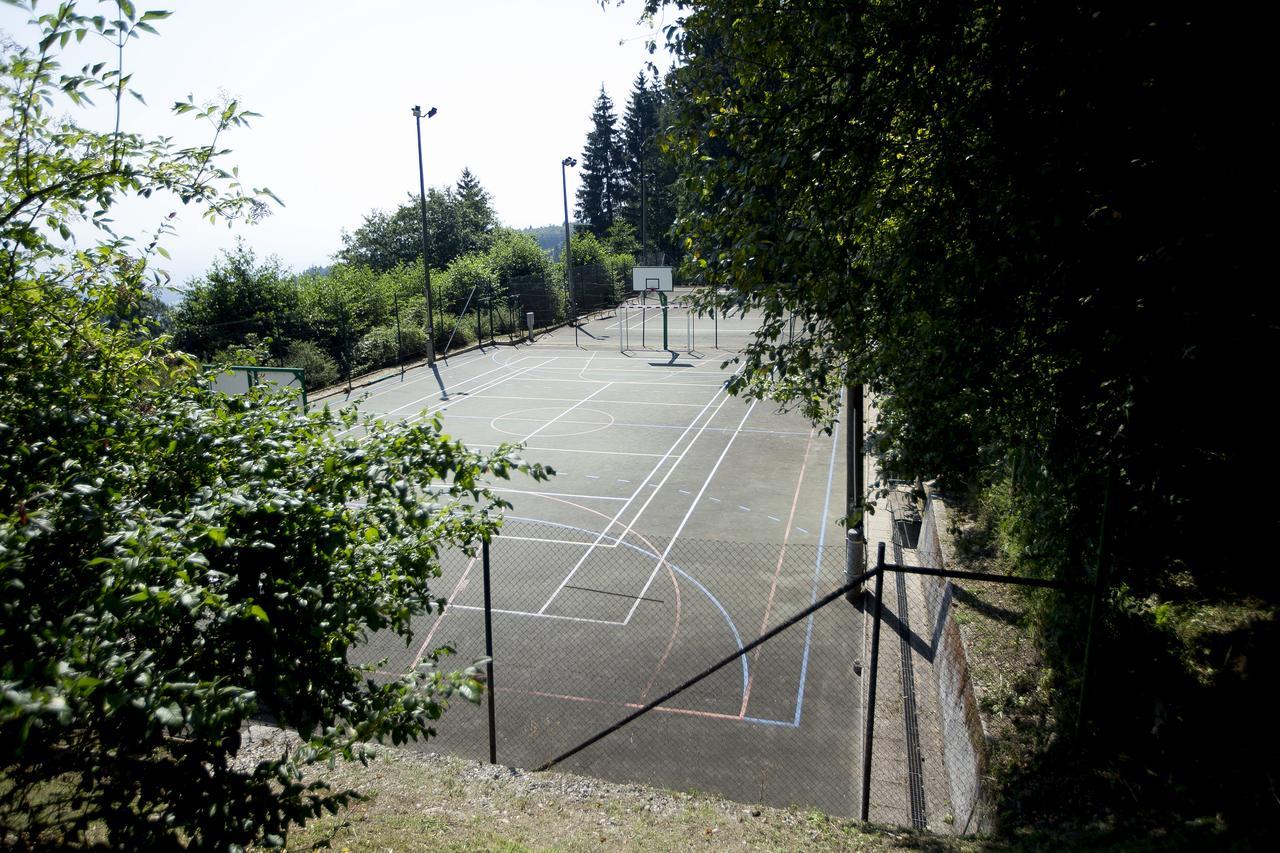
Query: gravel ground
[{"x": 423, "y": 801}]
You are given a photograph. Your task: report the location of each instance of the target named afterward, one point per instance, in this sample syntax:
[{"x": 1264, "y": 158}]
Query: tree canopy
[
  {"x": 176, "y": 562},
  {"x": 1025, "y": 227},
  {"x": 460, "y": 219}
]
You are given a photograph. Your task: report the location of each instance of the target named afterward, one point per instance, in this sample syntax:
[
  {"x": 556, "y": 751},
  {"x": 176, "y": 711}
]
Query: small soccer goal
[
  {"x": 238, "y": 379},
  {"x": 665, "y": 327}
]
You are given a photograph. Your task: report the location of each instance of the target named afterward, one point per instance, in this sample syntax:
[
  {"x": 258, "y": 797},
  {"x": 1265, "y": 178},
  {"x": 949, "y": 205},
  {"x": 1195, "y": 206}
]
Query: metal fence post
[
  {"x": 488, "y": 651},
  {"x": 869, "y": 738}
]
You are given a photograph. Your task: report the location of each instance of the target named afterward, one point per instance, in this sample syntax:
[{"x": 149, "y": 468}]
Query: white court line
[
  {"x": 533, "y": 615},
  {"x": 418, "y": 400},
  {"x": 565, "y": 412},
  {"x": 634, "y": 324},
  {"x": 674, "y": 466},
  {"x": 428, "y": 373},
  {"x": 557, "y": 494},
  {"x": 447, "y": 403},
  {"x": 663, "y": 403},
  {"x": 580, "y": 450},
  {"x": 487, "y": 384},
  {"x": 634, "y": 495},
  {"x": 665, "y": 369},
  {"x": 692, "y": 506},
  {"x": 585, "y": 366},
  {"x": 535, "y": 419},
  {"x": 548, "y": 541},
  {"x": 633, "y": 382}
]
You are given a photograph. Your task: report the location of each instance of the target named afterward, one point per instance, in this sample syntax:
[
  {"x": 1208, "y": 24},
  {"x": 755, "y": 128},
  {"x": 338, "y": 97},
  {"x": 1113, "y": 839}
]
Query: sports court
[{"x": 680, "y": 525}]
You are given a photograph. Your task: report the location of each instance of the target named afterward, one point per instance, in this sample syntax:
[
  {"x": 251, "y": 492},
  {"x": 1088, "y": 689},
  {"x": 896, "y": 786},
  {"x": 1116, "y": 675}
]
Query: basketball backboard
[{"x": 652, "y": 278}]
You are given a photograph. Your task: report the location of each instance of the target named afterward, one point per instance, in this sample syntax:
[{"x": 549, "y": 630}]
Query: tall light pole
[
  {"x": 568, "y": 258},
  {"x": 422, "y": 198}
]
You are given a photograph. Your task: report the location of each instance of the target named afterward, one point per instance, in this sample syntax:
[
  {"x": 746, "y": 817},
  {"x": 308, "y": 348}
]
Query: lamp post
[
  {"x": 568, "y": 259},
  {"x": 426, "y": 264}
]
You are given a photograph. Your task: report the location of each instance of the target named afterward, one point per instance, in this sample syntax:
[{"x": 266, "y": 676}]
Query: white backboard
[{"x": 652, "y": 278}]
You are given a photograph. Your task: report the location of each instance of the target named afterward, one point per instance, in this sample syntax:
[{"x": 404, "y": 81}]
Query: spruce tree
[
  {"x": 473, "y": 214},
  {"x": 601, "y": 161},
  {"x": 661, "y": 201},
  {"x": 639, "y": 159}
]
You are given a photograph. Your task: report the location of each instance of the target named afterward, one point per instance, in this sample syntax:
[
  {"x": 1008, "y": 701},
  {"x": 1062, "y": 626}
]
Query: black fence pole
[
  {"x": 488, "y": 651},
  {"x": 399, "y": 341},
  {"x": 869, "y": 738}
]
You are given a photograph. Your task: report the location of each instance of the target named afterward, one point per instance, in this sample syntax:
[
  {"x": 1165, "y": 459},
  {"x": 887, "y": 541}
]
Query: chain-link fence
[
  {"x": 595, "y": 289},
  {"x": 588, "y": 629},
  {"x": 953, "y": 663},
  {"x": 739, "y": 668}
]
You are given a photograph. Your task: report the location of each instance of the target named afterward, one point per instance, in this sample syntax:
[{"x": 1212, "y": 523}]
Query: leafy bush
[
  {"x": 468, "y": 276},
  {"x": 381, "y": 347},
  {"x": 250, "y": 350},
  {"x": 514, "y": 254},
  {"x": 462, "y": 334},
  {"x": 321, "y": 371},
  {"x": 175, "y": 562}
]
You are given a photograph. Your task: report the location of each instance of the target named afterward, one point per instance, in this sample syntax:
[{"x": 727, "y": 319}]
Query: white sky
[{"x": 514, "y": 82}]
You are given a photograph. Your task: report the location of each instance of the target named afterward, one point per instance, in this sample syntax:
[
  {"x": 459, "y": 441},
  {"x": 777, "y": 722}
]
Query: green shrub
[
  {"x": 381, "y": 347},
  {"x": 176, "y": 562},
  {"x": 463, "y": 334},
  {"x": 321, "y": 370}
]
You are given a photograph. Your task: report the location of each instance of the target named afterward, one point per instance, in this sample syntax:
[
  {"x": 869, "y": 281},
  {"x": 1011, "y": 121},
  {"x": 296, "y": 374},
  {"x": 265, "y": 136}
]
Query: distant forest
[{"x": 550, "y": 238}]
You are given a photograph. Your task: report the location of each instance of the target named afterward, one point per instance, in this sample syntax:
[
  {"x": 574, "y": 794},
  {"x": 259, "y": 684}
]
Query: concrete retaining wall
[{"x": 964, "y": 741}]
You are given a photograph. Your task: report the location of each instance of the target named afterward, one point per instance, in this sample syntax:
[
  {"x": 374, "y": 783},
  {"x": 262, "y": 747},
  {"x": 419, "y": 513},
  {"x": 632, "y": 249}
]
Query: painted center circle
[{"x": 552, "y": 421}]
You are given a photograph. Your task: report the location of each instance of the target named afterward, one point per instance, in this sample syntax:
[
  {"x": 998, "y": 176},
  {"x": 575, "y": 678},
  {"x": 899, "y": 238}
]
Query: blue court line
[{"x": 817, "y": 570}]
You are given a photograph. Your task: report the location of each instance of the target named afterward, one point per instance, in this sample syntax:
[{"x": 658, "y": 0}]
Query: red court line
[
  {"x": 675, "y": 582},
  {"x": 459, "y": 587},
  {"x": 689, "y": 712},
  {"x": 675, "y": 629},
  {"x": 773, "y": 589}
]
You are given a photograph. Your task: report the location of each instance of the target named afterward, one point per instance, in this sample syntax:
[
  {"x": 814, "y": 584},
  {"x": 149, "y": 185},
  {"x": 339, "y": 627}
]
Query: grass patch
[{"x": 419, "y": 801}]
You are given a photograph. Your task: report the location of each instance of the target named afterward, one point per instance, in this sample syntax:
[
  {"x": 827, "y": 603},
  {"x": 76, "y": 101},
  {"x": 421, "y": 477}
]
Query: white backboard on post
[{"x": 652, "y": 278}]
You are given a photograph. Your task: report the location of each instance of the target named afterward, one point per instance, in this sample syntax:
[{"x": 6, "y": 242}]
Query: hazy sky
[{"x": 514, "y": 82}]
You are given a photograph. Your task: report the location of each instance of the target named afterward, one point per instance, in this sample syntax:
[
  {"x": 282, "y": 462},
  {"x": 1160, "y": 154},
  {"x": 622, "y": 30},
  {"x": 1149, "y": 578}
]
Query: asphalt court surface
[{"x": 681, "y": 524}]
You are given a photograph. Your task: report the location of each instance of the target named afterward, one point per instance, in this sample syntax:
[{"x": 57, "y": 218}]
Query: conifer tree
[
  {"x": 639, "y": 159},
  {"x": 473, "y": 214},
  {"x": 601, "y": 162}
]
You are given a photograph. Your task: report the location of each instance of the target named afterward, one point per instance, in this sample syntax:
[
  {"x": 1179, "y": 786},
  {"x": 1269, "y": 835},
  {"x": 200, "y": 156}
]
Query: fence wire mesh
[
  {"x": 586, "y": 630},
  {"x": 590, "y": 629}
]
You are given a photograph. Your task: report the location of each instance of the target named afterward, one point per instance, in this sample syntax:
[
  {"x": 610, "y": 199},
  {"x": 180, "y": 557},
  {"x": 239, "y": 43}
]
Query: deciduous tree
[{"x": 175, "y": 563}]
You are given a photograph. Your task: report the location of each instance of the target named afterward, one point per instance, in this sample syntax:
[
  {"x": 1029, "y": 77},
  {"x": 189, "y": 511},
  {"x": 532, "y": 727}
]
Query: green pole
[{"x": 662, "y": 297}]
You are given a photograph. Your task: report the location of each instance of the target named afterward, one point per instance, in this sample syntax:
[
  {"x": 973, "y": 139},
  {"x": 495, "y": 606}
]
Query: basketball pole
[{"x": 662, "y": 297}]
